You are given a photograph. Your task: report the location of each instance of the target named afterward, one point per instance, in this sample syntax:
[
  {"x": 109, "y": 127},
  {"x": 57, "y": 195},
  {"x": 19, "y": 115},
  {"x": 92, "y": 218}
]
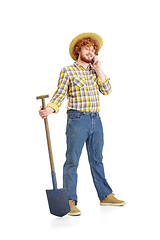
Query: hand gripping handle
[{"x": 47, "y": 133}]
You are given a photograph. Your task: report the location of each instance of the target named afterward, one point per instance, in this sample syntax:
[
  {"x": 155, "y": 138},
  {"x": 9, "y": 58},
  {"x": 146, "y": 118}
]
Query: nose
[{"x": 91, "y": 51}]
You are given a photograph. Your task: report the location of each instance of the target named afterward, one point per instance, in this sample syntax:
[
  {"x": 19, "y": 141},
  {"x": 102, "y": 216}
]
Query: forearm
[
  {"x": 101, "y": 75},
  {"x": 97, "y": 66},
  {"x": 49, "y": 110}
]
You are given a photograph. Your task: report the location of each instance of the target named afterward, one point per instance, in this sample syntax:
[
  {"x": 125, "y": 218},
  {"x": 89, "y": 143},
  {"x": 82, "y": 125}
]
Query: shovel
[{"x": 57, "y": 198}]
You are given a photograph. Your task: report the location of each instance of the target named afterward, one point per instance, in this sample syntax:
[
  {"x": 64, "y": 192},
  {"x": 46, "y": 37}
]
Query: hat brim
[{"x": 95, "y": 36}]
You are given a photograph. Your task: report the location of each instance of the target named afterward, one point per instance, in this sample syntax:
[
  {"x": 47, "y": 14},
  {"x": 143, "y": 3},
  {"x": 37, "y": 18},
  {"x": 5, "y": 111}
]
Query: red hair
[{"x": 85, "y": 41}]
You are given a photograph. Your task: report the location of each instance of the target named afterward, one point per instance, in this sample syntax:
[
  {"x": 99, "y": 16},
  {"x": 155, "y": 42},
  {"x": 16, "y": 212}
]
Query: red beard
[{"x": 84, "y": 59}]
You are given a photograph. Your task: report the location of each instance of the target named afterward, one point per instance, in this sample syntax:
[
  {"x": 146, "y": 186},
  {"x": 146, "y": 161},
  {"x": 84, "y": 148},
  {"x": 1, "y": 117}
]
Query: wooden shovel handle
[
  {"x": 42, "y": 96},
  {"x": 47, "y": 133}
]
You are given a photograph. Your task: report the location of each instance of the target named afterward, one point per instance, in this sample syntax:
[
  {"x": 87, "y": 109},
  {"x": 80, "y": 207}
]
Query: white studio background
[{"x": 35, "y": 36}]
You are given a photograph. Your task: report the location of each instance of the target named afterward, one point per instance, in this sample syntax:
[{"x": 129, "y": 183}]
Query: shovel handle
[{"x": 47, "y": 133}]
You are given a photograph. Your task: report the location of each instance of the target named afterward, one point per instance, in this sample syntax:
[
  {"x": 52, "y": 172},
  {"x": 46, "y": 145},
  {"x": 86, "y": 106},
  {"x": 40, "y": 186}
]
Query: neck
[{"x": 84, "y": 64}]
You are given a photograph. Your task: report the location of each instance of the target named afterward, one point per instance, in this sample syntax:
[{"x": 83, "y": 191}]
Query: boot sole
[
  {"x": 112, "y": 204},
  {"x": 74, "y": 214}
]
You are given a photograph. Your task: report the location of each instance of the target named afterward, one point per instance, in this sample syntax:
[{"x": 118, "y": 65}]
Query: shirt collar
[{"x": 90, "y": 67}]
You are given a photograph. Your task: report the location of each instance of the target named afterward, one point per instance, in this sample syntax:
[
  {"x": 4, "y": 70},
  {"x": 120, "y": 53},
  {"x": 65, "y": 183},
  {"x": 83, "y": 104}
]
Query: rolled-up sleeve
[
  {"x": 61, "y": 91},
  {"x": 104, "y": 86}
]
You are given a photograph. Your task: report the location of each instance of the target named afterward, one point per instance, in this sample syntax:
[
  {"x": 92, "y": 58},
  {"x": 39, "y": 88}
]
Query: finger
[
  {"x": 95, "y": 57},
  {"x": 96, "y": 63},
  {"x": 42, "y": 113},
  {"x": 43, "y": 117}
]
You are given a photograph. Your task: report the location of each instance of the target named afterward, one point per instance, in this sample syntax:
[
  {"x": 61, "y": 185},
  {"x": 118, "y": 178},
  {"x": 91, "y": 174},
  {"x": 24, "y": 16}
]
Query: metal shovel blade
[{"x": 58, "y": 202}]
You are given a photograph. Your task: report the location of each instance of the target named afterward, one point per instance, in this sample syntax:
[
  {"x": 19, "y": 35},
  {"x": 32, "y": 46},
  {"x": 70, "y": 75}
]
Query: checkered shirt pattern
[{"x": 81, "y": 86}]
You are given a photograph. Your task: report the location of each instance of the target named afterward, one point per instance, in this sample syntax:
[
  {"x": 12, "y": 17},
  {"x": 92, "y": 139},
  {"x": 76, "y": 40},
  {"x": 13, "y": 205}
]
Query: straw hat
[{"x": 84, "y": 35}]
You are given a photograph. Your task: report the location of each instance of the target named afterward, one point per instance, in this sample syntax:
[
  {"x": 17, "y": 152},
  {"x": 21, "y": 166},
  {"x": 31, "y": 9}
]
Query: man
[{"x": 81, "y": 83}]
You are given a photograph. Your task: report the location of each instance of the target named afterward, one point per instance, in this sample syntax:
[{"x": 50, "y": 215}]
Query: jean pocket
[{"x": 75, "y": 116}]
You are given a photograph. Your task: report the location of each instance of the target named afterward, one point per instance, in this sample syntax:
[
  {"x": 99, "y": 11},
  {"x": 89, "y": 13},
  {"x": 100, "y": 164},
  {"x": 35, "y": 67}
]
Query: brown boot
[
  {"x": 110, "y": 200},
  {"x": 74, "y": 210}
]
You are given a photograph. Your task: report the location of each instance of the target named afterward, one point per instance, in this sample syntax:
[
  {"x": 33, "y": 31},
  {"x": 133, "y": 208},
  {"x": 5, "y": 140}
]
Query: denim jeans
[{"x": 84, "y": 127}]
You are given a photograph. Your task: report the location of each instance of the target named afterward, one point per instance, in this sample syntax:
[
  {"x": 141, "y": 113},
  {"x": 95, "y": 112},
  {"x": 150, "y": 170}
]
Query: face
[{"x": 87, "y": 54}]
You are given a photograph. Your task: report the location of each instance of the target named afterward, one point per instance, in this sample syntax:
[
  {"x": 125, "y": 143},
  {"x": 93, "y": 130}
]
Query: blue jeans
[{"x": 84, "y": 127}]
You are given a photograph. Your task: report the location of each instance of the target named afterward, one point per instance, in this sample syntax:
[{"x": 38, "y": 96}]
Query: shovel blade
[{"x": 58, "y": 202}]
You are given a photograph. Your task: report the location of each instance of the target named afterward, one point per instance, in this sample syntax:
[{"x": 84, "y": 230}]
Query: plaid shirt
[{"x": 81, "y": 86}]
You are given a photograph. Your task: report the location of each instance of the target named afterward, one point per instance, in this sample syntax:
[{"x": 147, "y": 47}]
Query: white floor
[{"x": 25, "y": 215}]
